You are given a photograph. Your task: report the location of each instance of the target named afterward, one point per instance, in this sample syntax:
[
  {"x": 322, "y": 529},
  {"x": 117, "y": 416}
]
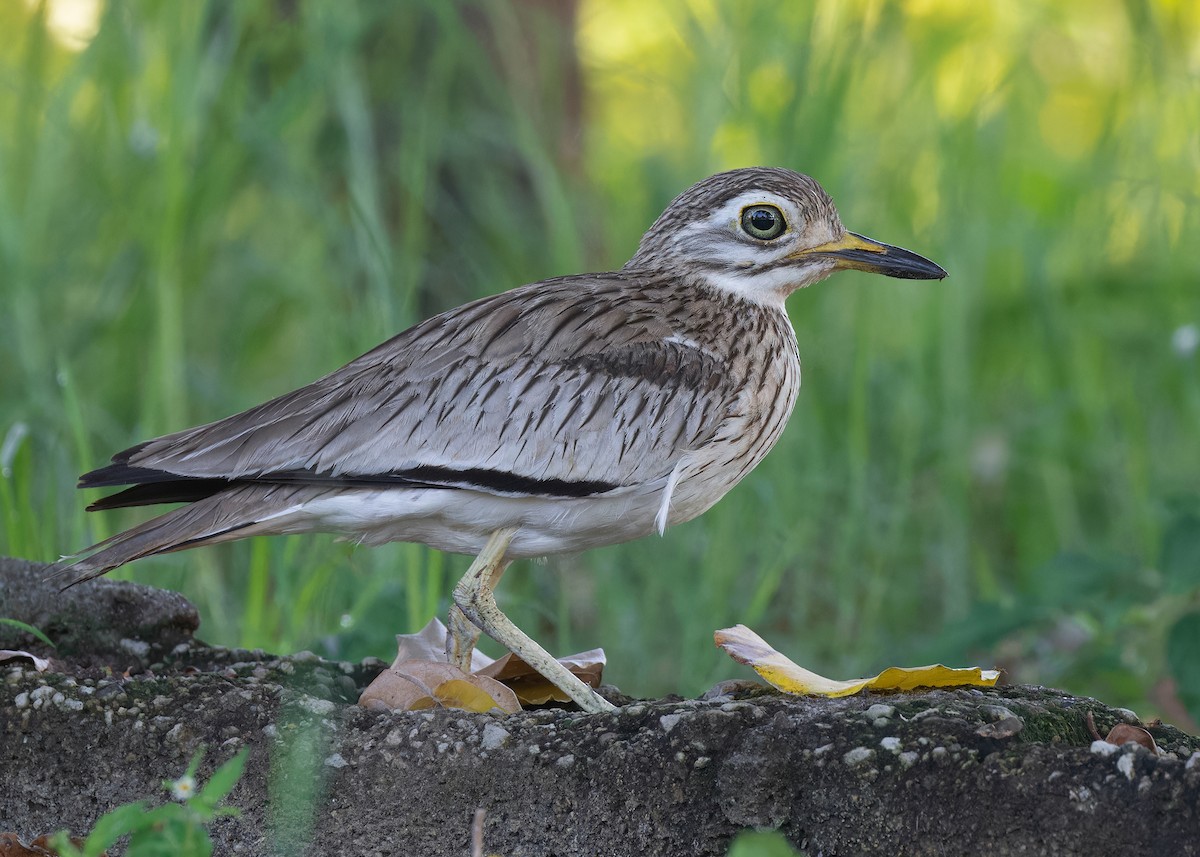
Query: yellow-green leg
[{"x": 475, "y": 609}]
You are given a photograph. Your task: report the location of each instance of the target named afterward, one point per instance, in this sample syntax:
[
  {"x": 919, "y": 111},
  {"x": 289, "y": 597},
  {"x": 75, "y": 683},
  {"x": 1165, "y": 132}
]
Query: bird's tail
[{"x": 234, "y": 514}]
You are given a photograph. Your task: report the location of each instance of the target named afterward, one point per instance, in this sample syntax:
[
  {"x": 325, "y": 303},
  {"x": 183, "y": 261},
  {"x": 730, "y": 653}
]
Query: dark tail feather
[
  {"x": 223, "y": 517},
  {"x": 158, "y": 535},
  {"x": 153, "y": 493}
]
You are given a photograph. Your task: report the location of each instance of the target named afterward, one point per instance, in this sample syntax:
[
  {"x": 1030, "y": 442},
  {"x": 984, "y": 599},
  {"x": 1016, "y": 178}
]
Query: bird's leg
[
  {"x": 463, "y": 634},
  {"x": 475, "y": 609},
  {"x": 461, "y": 637}
]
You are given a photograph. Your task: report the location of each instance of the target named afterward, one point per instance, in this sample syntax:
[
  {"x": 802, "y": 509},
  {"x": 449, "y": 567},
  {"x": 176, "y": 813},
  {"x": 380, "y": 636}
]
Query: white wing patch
[
  {"x": 664, "y": 508},
  {"x": 687, "y": 342}
]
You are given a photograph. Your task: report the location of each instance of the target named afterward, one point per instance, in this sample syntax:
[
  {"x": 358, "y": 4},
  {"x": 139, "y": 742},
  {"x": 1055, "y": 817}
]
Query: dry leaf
[
  {"x": 12, "y": 846},
  {"x": 414, "y": 685},
  {"x": 472, "y": 694},
  {"x": 1126, "y": 733},
  {"x": 39, "y": 664},
  {"x": 532, "y": 688},
  {"x": 429, "y": 644},
  {"x": 746, "y": 647},
  {"x": 420, "y": 677}
]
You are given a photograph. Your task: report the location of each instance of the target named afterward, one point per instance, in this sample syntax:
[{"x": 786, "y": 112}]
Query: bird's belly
[{"x": 460, "y": 521}]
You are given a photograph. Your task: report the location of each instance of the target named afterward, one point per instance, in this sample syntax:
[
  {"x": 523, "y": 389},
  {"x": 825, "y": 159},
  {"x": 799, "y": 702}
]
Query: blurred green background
[{"x": 206, "y": 204}]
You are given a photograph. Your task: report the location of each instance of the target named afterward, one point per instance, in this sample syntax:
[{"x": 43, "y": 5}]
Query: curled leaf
[
  {"x": 746, "y": 647},
  {"x": 1126, "y": 733},
  {"x": 532, "y": 688},
  {"x": 429, "y": 644},
  {"x": 39, "y": 664}
]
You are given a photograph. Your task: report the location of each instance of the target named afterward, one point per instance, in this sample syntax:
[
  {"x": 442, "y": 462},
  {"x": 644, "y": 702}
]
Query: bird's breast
[{"x": 764, "y": 369}]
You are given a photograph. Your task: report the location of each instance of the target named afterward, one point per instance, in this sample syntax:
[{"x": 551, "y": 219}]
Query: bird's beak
[{"x": 862, "y": 254}]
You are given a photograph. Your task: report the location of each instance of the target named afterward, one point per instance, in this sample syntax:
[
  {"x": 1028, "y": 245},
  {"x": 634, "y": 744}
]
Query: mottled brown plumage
[{"x": 570, "y": 413}]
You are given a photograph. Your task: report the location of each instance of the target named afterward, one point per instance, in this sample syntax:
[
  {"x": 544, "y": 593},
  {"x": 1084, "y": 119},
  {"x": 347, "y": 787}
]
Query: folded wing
[{"x": 569, "y": 389}]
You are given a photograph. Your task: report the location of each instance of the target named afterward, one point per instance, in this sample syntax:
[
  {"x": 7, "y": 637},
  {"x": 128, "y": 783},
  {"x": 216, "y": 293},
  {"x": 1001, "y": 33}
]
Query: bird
[{"x": 563, "y": 415}]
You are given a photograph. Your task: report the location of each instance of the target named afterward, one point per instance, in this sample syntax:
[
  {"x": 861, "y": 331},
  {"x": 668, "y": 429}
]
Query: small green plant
[
  {"x": 171, "y": 830},
  {"x": 762, "y": 843}
]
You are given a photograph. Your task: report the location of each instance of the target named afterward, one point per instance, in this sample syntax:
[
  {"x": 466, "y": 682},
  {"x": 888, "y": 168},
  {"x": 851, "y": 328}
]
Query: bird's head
[{"x": 763, "y": 233}]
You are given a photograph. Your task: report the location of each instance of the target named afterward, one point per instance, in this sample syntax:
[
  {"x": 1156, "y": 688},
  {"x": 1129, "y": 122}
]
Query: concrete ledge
[{"x": 999, "y": 772}]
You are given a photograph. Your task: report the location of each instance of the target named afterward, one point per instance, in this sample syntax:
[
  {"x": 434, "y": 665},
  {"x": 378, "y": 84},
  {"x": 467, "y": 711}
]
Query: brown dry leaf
[
  {"x": 746, "y": 647},
  {"x": 418, "y": 684},
  {"x": 1125, "y": 733},
  {"x": 39, "y": 664},
  {"x": 12, "y": 846},
  {"x": 419, "y": 677},
  {"x": 429, "y": 644},
  {"x": 532, "y": 688}
]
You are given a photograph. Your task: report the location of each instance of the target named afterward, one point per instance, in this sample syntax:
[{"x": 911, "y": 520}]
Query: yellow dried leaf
[
  {"x": 532, "y": 688},
  {"x": 414, "y": 680},
  {"x": 464, "y": 694},
  {"x": 746, "y": 647},
  {"x": 414, "y": 685},
  {"x": 534, "y": 691}
]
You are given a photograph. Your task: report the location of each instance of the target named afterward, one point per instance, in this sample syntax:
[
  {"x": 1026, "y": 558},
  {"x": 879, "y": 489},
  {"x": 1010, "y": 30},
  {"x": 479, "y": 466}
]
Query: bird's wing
[{"x": 568, "y": 388}]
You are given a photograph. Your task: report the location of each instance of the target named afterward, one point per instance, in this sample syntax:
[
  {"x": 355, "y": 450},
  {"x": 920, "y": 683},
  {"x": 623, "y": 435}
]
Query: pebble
[
  {"x": 995, "y": 713},
  {"x": 857, "y": 756},
  {"x": 140, "y": 648},
  {"x": 669, "y": 721},
  {"x": 1125, "y": 766},
  {"x": 320, "y": 707},
  {"x": 494, "y": 736}
]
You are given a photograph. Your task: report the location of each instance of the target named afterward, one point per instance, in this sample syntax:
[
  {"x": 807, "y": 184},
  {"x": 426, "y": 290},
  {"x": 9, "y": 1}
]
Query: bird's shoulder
[{"x": 557, "y": 320}]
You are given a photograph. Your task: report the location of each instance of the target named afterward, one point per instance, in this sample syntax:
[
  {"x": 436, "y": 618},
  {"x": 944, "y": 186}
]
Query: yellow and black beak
[{"x": 862, "y": 254}]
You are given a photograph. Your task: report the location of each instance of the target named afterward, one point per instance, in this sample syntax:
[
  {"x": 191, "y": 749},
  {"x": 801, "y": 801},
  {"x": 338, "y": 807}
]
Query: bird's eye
[{"x": 764, "y": 222}]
